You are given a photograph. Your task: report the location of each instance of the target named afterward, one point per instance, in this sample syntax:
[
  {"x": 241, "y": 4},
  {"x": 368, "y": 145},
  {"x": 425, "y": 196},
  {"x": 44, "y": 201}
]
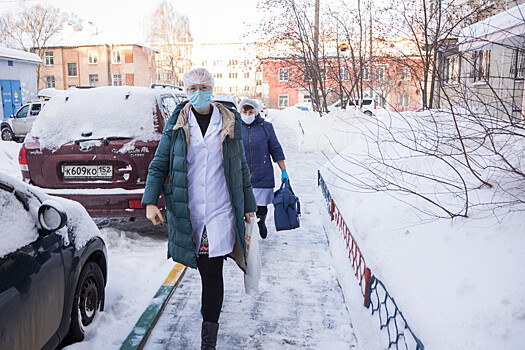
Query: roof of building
[
  {"x": 19, "y": 55},
  {"x": 506, "y": 29}
]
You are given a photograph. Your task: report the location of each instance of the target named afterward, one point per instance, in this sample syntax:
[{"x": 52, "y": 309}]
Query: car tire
[
  {"x": 368, "y": 113},
  {"x": 7, "y": 134},
  {"x": 89, "y": 298}
]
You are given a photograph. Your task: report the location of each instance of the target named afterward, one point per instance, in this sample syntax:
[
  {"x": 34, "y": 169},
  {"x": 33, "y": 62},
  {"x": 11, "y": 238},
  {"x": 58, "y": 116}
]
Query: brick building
[
  {"x": 392, "y": 83},
  {"x": 97, "y": 65}
]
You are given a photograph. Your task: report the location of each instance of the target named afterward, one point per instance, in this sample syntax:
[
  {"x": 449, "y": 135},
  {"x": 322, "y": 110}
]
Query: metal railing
[{"x": 374, "y": 292}]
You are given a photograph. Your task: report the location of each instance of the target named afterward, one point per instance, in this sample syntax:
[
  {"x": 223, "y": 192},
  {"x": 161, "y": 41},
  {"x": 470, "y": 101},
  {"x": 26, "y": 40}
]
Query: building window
[
  {"x": 259, "y": 82},
  {"x": 232, "y": 62},
  {"x": 380, "y": 73},
  {"x": 49, "y": 60},
  {"x": 246, "y": 62},
  {"x": 93, "y": 80},
  {"x": 217, "y": 89},
  {"x": 92, "y": 57},
  {"x": 405, "y": 75},
  {"x": 233, "y": 89},
  {"x": 232, "y": 75},
  {"x": 517, "y": 69},
  {"x": 481, "y": 60},
  {"x": 452, "y": 69},
  {"x": 283, "y": 74},
  {"x": 246, "y": 88},
  {"x": 115, "y": 56},
  {"x": 204, "y": 63},
  {"x": 404, "y": 100},
  {"x": 71, "y": 69},
  {"x": 10, "y": 63},
  {"x": 117, "y": 80},
  {"x": 217, "y": 62},
  {"x": 366, "y": 74},
  {"x": 217, "y": 75},
  {"x": 344, "y": 74},
  {"x": 50, "y": 81},
  {"x": 247, "y": 75},
  {"x": 283, "y": 101}
]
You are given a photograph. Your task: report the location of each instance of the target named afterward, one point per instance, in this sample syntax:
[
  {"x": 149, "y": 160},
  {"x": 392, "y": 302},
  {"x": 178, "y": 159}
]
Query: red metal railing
[{"x": 355, "y": 256}]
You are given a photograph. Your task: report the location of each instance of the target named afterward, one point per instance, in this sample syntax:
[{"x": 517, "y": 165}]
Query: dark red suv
[{"x": 94, "y": 145}]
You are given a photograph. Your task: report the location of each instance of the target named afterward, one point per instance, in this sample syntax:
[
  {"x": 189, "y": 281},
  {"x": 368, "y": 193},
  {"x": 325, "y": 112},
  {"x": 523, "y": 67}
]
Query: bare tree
[
  {"x": 291, "y": 37},
  {"x": 170, "y": 32},
  {"x": 32, "y": 28},
  {"x": 465, "y": 159}
]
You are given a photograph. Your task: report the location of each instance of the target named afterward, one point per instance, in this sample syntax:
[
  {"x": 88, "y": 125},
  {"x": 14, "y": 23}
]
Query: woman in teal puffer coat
[{"x": 208, "y": 196}]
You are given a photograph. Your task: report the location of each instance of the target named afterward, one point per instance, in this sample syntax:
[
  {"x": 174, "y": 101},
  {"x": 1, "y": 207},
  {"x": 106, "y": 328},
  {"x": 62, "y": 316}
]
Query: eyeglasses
[{"x": 201, "y": 87}]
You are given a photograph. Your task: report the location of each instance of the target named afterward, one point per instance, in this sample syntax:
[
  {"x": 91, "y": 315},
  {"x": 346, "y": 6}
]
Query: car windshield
[
  {"x": 100, "y": 113},
  {"x": 23, "y": 112}
]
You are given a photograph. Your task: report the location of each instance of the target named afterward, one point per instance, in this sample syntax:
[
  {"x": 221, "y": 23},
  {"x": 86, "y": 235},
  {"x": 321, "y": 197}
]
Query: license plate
[{"x": 88, "y": 171}]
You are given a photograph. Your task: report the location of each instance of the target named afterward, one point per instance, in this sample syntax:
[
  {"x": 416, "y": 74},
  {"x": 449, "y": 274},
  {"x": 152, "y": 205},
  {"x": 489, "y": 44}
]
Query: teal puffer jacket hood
[{"x": 170, "y": 161}]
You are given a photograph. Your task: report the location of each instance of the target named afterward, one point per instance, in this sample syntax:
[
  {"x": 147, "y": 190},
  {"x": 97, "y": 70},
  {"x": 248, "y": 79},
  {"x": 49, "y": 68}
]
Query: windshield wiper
[{"x": 105, "y": 140}]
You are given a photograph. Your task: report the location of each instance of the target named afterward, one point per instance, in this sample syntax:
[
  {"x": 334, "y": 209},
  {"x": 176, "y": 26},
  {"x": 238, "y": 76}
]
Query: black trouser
[
  {"x": 210, "y": 270},
  {"x": 261, "y": 211}
]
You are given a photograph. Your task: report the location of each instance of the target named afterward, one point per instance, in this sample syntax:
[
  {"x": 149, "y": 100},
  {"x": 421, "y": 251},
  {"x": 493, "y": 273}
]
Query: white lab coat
[{"x": 209, "y": 201}]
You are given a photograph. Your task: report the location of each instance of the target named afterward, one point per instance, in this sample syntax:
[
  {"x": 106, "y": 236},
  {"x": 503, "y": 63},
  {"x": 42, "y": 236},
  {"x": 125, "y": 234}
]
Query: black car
[{"x": 53, "y": 268}]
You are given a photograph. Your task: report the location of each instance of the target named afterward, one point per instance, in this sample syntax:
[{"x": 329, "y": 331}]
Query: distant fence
[{"x": 374, "y": 292}]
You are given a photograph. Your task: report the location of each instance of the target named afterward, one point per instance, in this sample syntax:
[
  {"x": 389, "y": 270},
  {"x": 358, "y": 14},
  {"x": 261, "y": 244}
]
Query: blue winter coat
[
  {"x": 260, "y": 142},
  {"x": 170, "y": 160}
]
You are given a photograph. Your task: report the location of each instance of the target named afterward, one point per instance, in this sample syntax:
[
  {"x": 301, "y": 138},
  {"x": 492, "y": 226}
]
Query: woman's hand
[
  {"x": 247, "y": 217},
  {"x": 153, "y": 214}
]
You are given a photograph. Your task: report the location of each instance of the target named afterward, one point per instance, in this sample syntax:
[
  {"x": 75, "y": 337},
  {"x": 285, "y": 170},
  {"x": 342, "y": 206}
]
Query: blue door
[{"x": 11, "y": 96}]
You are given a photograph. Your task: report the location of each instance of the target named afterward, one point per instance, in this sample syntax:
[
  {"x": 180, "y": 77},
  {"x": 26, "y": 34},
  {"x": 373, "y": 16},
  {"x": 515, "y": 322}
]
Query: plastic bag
[{"x": 253, "y": 258}]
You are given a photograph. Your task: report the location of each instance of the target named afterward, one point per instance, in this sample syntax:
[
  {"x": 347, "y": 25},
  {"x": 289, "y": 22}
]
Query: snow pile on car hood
[
  {"x": 19, "y": 226},
  {"x": 110, "y": 111}
]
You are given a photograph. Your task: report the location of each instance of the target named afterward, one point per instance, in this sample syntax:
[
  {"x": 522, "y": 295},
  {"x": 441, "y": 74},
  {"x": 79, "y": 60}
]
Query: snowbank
[
  {"x": 458, "y": 282},
  {"x": 329, "y": 133},
  {"x": 97, "y": 113}
]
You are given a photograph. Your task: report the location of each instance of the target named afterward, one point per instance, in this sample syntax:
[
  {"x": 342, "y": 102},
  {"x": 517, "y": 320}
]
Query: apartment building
[
  {"x": 483, "y": 69},
  {"x": 389, "y": 81},
  {"x": 97, "y": 65},
  {"x": 234, "y": 66}
]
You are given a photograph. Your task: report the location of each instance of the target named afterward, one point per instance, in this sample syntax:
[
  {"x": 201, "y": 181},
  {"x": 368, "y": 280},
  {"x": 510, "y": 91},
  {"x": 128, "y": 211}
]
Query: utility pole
[
  {"x": 370, "y": 76},
  {"x": 316, "y": 70}
]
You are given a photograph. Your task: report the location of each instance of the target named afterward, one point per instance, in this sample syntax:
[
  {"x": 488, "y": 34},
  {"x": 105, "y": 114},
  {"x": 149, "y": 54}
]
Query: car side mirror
[{"x": 52, "y": 216}]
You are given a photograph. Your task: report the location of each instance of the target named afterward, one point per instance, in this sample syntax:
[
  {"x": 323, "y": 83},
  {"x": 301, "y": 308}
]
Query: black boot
[
  {"x": 263, "y": 231},
  {"x": 209, "y": 335}
]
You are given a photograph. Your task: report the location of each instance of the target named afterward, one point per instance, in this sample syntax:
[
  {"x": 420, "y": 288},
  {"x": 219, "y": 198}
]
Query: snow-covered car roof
[
  {"x": 110, "y": 111},
  {"x": 19, "y": 217}
]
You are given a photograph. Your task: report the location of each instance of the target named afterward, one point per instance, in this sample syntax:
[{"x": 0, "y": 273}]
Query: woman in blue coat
[{"x": 260, "y": 142}]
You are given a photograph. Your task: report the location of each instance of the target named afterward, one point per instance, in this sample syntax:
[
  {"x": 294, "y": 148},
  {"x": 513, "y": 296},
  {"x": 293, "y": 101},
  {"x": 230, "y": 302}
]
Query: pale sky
[{"x": 211, "y": 21}]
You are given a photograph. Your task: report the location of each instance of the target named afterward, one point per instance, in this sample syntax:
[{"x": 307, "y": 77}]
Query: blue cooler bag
[{"x": 287, "y": 207}]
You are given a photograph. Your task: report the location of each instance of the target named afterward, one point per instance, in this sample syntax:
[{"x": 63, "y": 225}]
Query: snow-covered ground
[
  {"x": 299, "y": 304},
  {"x": 458, "y": 282}
]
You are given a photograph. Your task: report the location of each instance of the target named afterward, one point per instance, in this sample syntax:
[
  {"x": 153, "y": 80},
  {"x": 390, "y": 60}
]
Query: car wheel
[
  {"x": 368, "y": 113},
  {"x": 7, "y": 134},
  {"x": 89, "y": 298}
]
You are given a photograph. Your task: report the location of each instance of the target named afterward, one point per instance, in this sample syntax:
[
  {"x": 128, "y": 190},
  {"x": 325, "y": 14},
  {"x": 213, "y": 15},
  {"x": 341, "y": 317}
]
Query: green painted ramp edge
[{"x": 142, "y": 329}]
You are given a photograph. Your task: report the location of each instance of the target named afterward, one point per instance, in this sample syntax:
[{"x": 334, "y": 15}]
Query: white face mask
[{"x": 248, "y": 119}]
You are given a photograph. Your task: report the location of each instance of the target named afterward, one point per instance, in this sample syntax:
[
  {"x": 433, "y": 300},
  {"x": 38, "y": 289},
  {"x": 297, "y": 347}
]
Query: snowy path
[{"x": 299, "y": 304}]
